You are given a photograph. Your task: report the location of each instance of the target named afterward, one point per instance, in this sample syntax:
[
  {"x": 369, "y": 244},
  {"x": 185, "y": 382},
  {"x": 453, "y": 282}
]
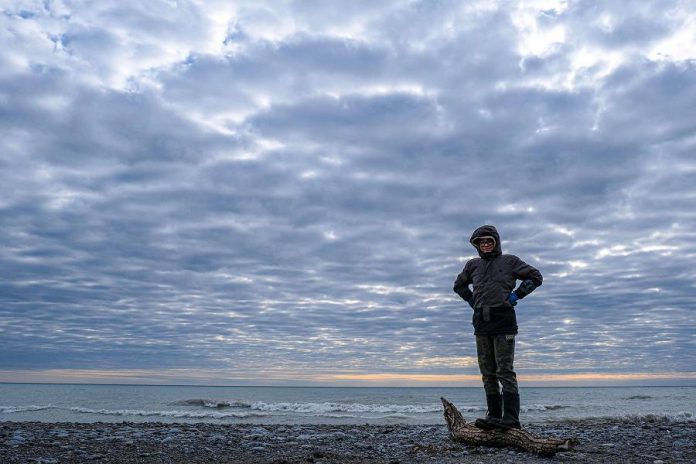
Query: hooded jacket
[{"x": 493, "y": 276}]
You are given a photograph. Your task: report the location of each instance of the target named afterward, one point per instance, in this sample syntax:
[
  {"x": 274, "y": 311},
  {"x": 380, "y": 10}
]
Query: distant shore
[{"x": 606, "y": 441}]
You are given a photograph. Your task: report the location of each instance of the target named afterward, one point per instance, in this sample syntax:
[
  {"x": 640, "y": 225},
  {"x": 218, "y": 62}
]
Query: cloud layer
[{"x": 277, "y": 189}]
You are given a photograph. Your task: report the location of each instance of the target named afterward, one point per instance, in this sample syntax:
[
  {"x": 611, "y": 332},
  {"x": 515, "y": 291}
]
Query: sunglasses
[{"x": 485, "y": 241}]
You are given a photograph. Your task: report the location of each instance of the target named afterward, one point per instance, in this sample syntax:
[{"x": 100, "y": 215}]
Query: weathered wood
[{"x": 464, "y": 432}]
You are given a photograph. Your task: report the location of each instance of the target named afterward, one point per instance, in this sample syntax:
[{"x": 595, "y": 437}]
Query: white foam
[
  {"x": 684, "y": 416},
  {"x": 15, "y": 409},
  {"x": 473, "y": 408},
  {"x": 322, "y": 409},
  {"x": 542, "y": 407},
  {"x": 523, "y": 408},
  {"x": 179, "y": 414},
  {"x": 215, "y": 404},
  {"x": 681, "y": 416}
]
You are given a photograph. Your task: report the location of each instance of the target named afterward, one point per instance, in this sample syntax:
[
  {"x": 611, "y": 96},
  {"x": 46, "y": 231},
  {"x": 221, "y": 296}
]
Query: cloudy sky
[{"x": 279, "y": 192}]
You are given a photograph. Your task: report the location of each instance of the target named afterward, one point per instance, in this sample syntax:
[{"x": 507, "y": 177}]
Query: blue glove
[{"x": 512, "y": 298}]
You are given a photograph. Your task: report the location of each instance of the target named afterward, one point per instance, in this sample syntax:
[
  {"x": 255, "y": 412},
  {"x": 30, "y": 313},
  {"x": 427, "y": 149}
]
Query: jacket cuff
[{"x": 525, "y": 289}]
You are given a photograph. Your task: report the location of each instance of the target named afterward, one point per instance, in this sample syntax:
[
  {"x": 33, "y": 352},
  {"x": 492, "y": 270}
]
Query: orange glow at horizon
[{"x": 278, "y": 376}]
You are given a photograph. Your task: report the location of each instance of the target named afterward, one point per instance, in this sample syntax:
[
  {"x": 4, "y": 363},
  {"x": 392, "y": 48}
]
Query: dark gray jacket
[{"x": 494, "y": 276}]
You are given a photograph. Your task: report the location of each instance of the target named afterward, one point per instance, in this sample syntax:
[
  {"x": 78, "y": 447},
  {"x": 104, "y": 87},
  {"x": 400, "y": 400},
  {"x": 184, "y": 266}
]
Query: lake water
[{"x": 329, "y": 405}]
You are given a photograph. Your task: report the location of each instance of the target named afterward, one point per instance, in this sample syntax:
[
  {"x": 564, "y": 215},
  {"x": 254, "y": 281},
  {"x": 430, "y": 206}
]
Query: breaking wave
[
  {"x": 329, "y": 407},
  {"x": 13, "y": 409},
  {"x": 320, "y": 409},
  {"x": 202, "y": 409},
  {"x": 542, "y": 407},
  {"x": 523, "y": 408},
  {"x": 178, "y": 414},
  {"x": 211, "y": 403}
]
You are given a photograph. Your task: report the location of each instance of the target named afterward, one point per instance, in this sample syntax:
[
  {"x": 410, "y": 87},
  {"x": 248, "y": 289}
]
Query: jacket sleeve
[
  {"x": 529, "y": 275},
  {"x": 461, "y": 286}
]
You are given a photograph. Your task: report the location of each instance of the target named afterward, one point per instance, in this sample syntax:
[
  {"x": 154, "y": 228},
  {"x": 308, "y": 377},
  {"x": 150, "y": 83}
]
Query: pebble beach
[{"x": 607, "y": 441}]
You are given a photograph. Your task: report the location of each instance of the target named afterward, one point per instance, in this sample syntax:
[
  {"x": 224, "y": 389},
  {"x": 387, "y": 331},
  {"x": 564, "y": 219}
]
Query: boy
[{"x": 494, "y": 276}]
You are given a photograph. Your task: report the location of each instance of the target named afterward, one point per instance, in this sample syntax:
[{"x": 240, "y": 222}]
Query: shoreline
[{"x": 604, "y": 440}]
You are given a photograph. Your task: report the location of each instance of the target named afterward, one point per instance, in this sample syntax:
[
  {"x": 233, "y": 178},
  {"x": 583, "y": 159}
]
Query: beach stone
[
  {"x": 337, "y": 435},
  {"x": 682, "y": 443},
  {"x": 253, "y": 444},
  {"x": 17, "y": 439}
]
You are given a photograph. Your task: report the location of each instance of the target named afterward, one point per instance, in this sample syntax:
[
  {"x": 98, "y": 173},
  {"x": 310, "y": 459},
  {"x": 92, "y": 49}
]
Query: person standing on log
[{"x": 494, "y": 276}]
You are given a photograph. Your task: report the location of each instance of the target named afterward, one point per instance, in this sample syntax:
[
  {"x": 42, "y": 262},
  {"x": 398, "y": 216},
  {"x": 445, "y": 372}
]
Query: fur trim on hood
[{"x": 487, "y": 231}]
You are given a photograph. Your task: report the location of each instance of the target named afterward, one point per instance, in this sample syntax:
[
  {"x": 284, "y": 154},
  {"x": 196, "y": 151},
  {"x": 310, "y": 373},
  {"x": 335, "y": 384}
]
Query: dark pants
[{"x": 496, "y": 353}]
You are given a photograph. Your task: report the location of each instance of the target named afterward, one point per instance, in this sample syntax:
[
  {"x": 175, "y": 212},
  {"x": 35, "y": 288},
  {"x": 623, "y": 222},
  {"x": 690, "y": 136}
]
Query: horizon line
[{"x": 329, "y": 386}]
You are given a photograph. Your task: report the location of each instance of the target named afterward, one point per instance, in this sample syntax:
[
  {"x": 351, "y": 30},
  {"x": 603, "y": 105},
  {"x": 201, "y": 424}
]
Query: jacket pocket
[{"x": 476, "y": 317}]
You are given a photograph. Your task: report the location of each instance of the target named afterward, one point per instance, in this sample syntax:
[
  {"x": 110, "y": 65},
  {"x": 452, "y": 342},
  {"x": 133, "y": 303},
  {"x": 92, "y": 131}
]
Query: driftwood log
[{"x": 461, "y": 431}]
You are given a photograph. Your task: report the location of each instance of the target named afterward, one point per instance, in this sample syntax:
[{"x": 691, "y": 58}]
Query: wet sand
[{"x": 608, "y": 441}]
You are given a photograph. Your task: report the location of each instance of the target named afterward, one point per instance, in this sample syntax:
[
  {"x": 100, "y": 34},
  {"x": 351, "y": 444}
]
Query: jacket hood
[{"x": 487, "y": 231}]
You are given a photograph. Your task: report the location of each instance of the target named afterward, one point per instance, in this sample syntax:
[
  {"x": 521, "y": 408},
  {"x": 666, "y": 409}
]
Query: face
[{"x": 486, "y": 244}]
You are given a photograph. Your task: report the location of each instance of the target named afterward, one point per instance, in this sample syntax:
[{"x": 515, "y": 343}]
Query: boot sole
[
  {"x": 483, "y": 425},
  {"x": 508, "y": 427}
]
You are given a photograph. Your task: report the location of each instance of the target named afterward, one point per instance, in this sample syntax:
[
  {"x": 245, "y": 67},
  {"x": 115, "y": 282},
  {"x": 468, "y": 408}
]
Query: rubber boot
[
  {"x": 494, "y": 413},
  {"x": 511, "y": 412}
]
